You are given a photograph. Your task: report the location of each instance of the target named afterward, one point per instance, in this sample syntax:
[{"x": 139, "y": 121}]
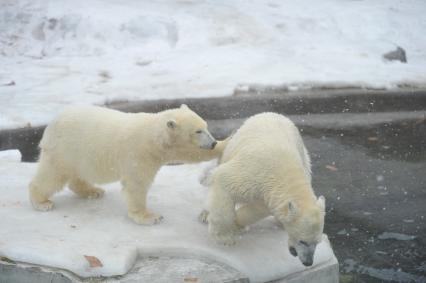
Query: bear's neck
[
  {"x": 293, "y": 185},
  {"x": 149, "y": 137},
  {"x": 162, "y": 148}
]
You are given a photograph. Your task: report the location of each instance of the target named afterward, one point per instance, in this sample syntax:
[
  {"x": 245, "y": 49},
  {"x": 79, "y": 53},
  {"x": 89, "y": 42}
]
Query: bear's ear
[
  {"x": 321, "y": 202},
  {"x": 171, "y": 124},
  {"x": 184, "y": 106}
]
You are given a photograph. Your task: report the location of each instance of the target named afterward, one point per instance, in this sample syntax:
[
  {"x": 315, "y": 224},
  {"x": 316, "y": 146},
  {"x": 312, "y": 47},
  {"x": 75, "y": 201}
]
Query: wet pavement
[{"x": 375, "y": 189}]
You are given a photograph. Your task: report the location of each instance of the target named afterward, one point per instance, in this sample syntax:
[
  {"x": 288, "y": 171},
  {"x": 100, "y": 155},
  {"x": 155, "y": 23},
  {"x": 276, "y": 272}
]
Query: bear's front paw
[
  {"x": 43, "y": 206},
  {"x": 222, "y": 235},
  {"x": 226, "y": 239},
  {"x": 95, "y": 193},
  {"x": 145, "y": 218},
  {"x": 203, "y": 216}
]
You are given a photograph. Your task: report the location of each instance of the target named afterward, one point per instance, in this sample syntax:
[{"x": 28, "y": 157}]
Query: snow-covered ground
[
  {"x": 57, "y": 53},
  {"x": 100, "y": 228}
]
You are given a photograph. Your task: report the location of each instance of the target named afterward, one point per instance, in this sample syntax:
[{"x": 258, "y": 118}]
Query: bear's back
[
  {"x": 263, "y": 134},
  {"x": 79, "y": 122}
]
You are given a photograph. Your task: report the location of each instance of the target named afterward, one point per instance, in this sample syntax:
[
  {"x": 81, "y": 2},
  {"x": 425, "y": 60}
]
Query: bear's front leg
[
  {"x": 135, "y": 193},
  {"x": 221, "y": 216}
]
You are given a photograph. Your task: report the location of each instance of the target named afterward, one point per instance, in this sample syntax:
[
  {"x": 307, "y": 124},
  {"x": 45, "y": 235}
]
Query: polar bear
[
  {"x": 265, "y": 170},
  {"x": 94, "y": 145}
]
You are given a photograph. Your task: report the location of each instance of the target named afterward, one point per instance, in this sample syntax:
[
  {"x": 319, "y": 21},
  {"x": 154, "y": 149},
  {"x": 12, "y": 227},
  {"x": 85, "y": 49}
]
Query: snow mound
[
  {"x": 77, "y": 230},
  {"x": 40, "y": 32}
]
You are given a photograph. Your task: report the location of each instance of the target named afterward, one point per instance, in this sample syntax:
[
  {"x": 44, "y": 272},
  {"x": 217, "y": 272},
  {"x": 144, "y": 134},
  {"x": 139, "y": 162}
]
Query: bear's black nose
[
  {"x": 308, "y": 263},
  {"x": 214, "y": 144}
]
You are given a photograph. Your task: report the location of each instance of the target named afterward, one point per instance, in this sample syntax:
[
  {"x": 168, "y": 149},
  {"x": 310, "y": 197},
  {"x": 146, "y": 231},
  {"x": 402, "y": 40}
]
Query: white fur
[
  {"x": 93, "y": 145},
  {"x": 265, "y": 168}
]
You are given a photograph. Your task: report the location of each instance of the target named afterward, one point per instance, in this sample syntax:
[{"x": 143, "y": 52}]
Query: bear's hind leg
[
  {"x": 47, "y": 181},
  {"x": 84, "y": 189},
  {"x": 221, "y": 216}
]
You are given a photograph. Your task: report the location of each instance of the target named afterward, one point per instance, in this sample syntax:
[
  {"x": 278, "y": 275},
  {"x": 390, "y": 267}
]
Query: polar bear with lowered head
[
  {"x": 265, "y": 168},
  {"x": 93, "y": 145}
]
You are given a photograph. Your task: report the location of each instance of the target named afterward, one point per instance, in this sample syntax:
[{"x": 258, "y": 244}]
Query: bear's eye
[
  {"x": 198, "y": 132},
  {"x": 303, "y": 243}
]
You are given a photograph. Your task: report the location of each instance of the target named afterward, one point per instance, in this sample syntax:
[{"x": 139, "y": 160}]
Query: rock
[{"x": 398, "y": 54}]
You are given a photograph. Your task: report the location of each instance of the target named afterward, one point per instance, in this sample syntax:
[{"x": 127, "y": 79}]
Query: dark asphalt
[{"x": 373, "y": 186}]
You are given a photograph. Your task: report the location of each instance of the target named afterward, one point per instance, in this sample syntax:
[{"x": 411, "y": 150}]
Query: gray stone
[
  {"x": 396, "y": 55},
  {"x": 164, "y": 269},
  {"x": 153, "y": 269}
]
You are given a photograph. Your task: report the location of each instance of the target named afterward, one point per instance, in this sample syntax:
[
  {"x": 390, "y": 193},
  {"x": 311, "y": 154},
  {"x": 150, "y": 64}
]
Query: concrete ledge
[
  {"x": 312, "y": 110},
  {"x": 26, "y": 140},
  {"x": 325, "y": 123},
  {"x": 291, "y": 103}
]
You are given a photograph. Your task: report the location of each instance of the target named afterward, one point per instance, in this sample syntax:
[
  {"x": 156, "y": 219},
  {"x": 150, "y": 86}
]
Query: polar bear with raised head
[
  {"x": 92, "y": 145},
  {"x": 265, "y": 169}
]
